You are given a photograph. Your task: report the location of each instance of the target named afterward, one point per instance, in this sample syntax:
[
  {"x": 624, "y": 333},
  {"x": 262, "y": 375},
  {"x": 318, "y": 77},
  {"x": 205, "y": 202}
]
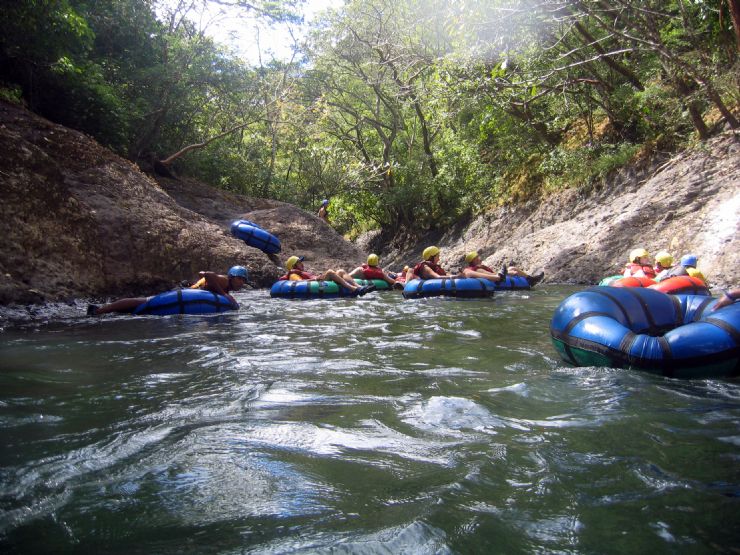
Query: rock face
[
  {"x": 79, "y": 221},
  {"x": 689, "y": 204}
]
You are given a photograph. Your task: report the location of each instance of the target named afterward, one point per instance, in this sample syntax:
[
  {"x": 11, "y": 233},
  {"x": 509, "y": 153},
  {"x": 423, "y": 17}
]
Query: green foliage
[
  {"x": 406, "y": 114},
  {"x": 12, "y": 94}
]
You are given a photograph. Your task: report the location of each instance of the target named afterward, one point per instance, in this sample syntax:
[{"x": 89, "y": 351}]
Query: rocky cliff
[
  {"x": 686, "y": 203},
  {"x": 79, "y": 221}
]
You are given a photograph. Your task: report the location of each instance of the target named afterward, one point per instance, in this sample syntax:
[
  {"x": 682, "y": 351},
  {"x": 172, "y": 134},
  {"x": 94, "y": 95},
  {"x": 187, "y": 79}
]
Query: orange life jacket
[
  {"x": 634, "y": 268},
  {"x": 432, "y": 266},
  {"x": 372, "y": 272},
  {"x": 299, "y": 275}
]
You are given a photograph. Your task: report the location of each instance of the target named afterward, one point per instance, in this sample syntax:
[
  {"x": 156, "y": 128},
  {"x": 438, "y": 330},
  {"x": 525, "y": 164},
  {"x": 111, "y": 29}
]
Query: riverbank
[
  {"x": 686, "y": 203},
  {"x": 81, "y": 223}
]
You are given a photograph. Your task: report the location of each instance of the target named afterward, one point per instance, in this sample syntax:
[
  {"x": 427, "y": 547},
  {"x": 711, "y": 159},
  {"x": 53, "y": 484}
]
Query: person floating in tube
[
  {"x": 476, "y": 269},
  {"x": 234, "y": 280},
  {"x": 297, "y": 272},
  {"x": 372, "y": 270}
]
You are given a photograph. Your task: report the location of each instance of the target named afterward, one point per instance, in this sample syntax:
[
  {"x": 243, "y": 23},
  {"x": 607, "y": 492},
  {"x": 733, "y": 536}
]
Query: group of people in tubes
[
  {"x": 640, "y": 265},
  {"x": 428, "y": 268},
  {"x": 663, "y": 267}
]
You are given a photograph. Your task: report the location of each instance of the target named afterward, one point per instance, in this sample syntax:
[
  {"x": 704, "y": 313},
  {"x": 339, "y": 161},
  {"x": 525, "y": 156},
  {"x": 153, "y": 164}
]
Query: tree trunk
[{"x": 734, "y": 7}]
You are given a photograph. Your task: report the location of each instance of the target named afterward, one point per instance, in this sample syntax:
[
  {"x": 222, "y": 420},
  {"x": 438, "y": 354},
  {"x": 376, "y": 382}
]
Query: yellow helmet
[
  {"x": 693, "y": 272},
  {"x": 430, "y": 252},
  {"x": 638, "y": 253},
  {"x": 472, "y": 255},
  {"x": 664, "y": 258},
  {"x": 292, "y": 261},
  {"x": 373, "y": 260}
]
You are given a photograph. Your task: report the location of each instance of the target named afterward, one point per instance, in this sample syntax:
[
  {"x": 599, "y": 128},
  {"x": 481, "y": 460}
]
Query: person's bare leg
[
  {"x": 331, "y": 275},
  {"x": 121, "y": 305},
  {"x": 345, "y": 276}
]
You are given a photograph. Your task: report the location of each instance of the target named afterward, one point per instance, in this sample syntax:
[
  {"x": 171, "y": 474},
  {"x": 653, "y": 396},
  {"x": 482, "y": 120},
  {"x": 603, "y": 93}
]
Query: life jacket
[
  {"x": 200, "y": 284},
  {"x": 203, "y": 284},
  {"x": 676, "y": 270},
  {"x": 479, "y": 267},
  {"x": 297, "y": 275},
  {"x": 432, "y": 266},
  {"x": 633, "y": 269},
  {"x": 372, "y": 272}
]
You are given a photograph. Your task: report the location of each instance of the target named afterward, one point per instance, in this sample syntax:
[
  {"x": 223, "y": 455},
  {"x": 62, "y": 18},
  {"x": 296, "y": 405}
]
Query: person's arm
[
  {"x": 357, "y": 273},
  {"x": 728, "y": 298},
  {"x": 428, "y": 273},
  {"x": 213, "y": 283}
]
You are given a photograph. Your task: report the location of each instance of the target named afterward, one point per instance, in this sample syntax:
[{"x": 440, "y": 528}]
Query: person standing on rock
[
  {"x": 372, "y": 270},
  {"x": 323, "y": 210},
  {"x": 236, "y": 278},
  {"x": 297, "y": 272}
]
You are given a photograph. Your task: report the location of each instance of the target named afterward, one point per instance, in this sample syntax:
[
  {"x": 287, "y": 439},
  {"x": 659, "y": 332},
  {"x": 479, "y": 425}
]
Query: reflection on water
[{"x": 354, "y": 426}]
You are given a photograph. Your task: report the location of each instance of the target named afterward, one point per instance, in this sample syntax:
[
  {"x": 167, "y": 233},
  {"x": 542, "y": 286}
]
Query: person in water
[
  {"x": 728, "y": 297},
  {"x": 323, "y": 210},
  {"x": 686, "y": 267},
  {"x": 429, "y": 267},
  {"x": 372, "y": 270},
  {"x": 663, "y": 264},
  {"x": 476, "y": 269},
  {"x": 297, "y": 272},
  {"x": 234, "y": 280},
  {"x": 639, "y": 265}
]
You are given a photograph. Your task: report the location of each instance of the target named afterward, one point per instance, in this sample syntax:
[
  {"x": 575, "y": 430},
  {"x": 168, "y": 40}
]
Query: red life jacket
[
  {"x": 432, "y": 266},
  {"x": 372, "y": 272},
  {"x": 479, "y": 267},
  {"x": 634, "y": 268},
  {"x": 302, "y": 275}
]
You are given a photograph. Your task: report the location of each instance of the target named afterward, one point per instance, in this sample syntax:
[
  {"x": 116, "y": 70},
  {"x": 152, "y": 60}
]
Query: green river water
[{"x": 370, "y": 425}]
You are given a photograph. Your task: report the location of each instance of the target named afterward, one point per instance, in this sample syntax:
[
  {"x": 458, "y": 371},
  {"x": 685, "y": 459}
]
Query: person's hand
[{"x": 724, "y": 300}]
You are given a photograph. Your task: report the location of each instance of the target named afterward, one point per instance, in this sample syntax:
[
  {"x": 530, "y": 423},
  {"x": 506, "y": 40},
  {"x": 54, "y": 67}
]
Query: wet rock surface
[
  {"x": 689, "y": 203},
  {"x": 80, "y": 222}
]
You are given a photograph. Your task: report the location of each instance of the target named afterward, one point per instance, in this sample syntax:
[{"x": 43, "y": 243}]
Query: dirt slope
[
  {"x": 690, "y": 203},
  {"x": 79, "y": 221}
]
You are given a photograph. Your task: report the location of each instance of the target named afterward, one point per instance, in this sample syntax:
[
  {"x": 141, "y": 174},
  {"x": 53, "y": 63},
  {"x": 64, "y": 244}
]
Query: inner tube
[
  {"x": 632, "y": 282},
  {"x": 674, "y": 335},
  {"x": 511, "y": 283},
  {"x": 448, "y": 287},
  {"x": 308, "y": 289},
  {"x": 682, "y": 285},
  {"x": 380, "y": 284},
  {"x": 254, "y": 236},
  {"x": 185, "y": 301},
  {"x": 610, "y": 279}
]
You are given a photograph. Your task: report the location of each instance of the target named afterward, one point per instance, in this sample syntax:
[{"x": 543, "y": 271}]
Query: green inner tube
[
  {"x": 327, "y": 286},
  {"x": 611, "y": 279},
  {"x": 379, "y": 283}
]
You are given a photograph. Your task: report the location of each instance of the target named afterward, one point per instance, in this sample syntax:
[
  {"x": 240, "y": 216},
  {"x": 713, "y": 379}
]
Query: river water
[{"x": 370, "y": 425}]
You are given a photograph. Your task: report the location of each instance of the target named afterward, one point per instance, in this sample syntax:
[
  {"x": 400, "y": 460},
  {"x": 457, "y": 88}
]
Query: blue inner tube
[
  {"x": 512, "y": 283},
  {"x": 185, "y": 301},
  {"x": 308, "y": 289},
  {"x": 254, "y": 236},
  {"x": 673, "y": 335},
  {"x": 449, "y": 287}
]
